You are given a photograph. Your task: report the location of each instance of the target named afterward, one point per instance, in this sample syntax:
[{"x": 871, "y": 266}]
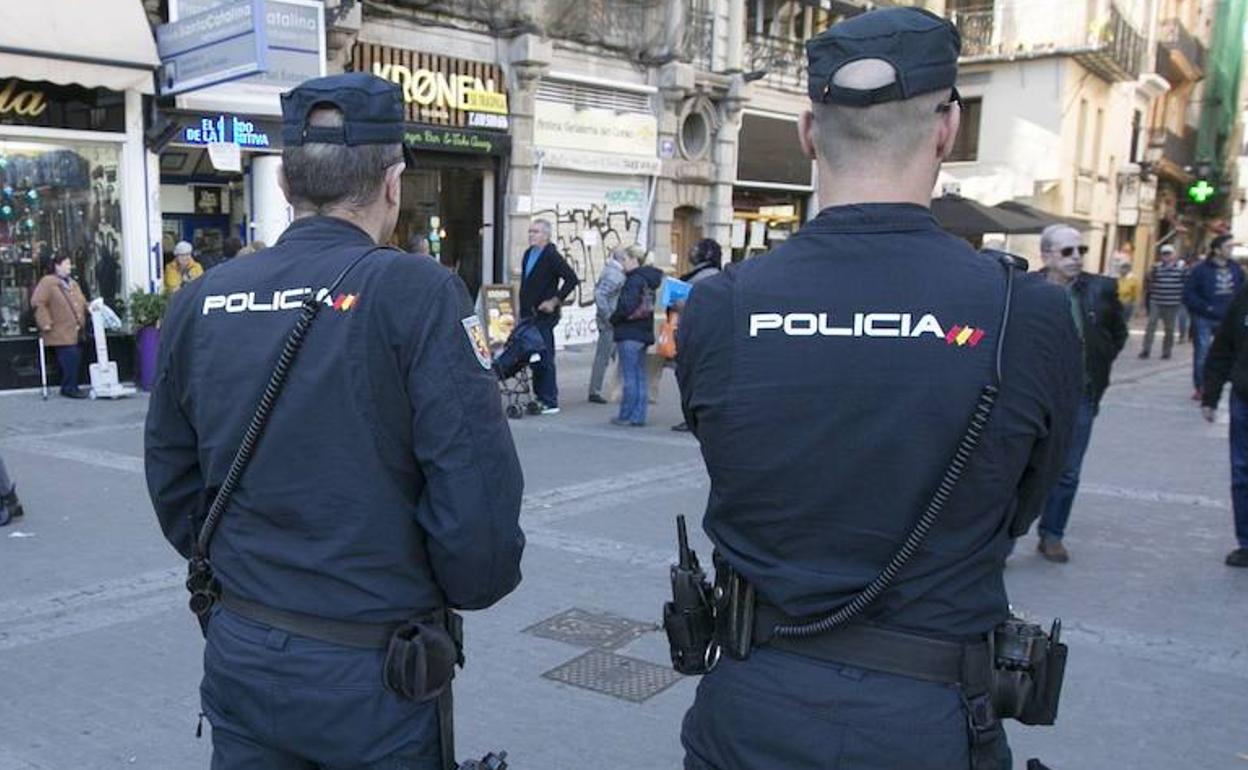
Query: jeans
[
  {"x": 633, "y": 377},
  {"x": 1166, "y": 314},
  {"x": 1128, "y": 310},
  {"x": 68, "y": 357},
  {"x": 6, "y": 483},
  {"x": 1204, "y": 328},
  {"x": 602, "y": 358},
  {"x": 1182, "y": 316},
  {"x": 1057, "y": 507},
  {"x": 545, "y": 384},
  {"x": 1239, "y": 467}
]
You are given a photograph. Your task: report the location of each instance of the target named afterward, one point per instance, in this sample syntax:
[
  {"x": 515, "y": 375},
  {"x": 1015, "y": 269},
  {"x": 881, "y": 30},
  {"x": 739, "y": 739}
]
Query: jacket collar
[
  {"x": 875, "y": 217},
  {"x": 318, "y": 227}
]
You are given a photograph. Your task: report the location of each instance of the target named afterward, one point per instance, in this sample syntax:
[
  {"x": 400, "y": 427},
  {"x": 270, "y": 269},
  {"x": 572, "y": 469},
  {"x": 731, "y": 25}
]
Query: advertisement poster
[{"x": 500, "y": 312}]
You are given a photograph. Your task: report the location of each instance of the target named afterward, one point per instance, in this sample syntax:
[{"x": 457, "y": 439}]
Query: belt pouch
[
  {"x": 1041, "y": 708},
  {"x": 420, "y": 660}
]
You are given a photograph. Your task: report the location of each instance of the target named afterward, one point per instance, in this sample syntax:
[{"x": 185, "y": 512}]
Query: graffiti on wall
[{"x": 585, "y": 235}]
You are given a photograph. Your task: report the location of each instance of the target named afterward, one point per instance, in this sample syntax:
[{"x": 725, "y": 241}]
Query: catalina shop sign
[{"x": 226, "y": 129}]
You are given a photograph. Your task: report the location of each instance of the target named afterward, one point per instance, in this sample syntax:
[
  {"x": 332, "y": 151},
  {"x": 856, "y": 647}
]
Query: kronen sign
[{"x": 440, "y": 91}]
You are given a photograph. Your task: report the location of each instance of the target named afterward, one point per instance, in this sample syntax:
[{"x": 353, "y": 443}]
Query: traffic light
[{"x": 1201, "y": 192}]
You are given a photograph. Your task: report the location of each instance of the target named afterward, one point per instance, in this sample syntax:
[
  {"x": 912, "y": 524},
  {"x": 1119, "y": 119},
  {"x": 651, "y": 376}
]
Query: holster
[{"x": 422, "y": 655}]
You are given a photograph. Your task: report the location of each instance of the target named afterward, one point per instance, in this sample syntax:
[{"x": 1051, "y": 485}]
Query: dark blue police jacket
[
  {"x": 829, "y": 383},
  {"x": 386, "y": 483}
]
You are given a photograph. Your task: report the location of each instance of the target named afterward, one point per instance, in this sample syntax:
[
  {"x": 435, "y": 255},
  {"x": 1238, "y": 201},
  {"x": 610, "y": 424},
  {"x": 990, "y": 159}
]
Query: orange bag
[{"x": 666, "y": 345}]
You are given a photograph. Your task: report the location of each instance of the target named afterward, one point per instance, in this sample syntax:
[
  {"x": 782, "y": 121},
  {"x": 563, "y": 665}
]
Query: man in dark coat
[
  {"x": 1098, "y": 316},
  {"x": 546, "y": 280}
]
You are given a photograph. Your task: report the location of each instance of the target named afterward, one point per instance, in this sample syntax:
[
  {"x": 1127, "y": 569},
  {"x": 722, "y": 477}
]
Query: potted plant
[{"x": 146, "y": 312}]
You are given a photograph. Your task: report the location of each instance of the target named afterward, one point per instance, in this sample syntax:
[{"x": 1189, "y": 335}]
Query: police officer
[
  {"x": 385, "y": 487},
  {"x": 829, "y": 383}
]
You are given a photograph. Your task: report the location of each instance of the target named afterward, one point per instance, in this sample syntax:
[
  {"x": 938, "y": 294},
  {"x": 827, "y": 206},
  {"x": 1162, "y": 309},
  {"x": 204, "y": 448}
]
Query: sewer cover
[
  {"x": 600, "y": 630},
  {"x": 619, "y": 676}
]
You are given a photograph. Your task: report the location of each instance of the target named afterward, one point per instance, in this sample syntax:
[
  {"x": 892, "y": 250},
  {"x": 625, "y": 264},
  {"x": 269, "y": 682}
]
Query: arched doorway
[{"x": 686, "y": 230}]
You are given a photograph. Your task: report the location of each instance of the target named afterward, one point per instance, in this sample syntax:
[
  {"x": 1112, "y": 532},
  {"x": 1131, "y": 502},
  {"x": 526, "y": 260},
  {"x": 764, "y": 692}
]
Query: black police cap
[
  {"x": 372, "y": 110},
  {"x": 922, "y": 48}
]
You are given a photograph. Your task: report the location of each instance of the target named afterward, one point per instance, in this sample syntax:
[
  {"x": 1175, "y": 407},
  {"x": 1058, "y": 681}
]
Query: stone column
[
  {"x": 529, "y": 57},
  {"x": 676, "y": 81},
  {"x": 719, "y": 215}
]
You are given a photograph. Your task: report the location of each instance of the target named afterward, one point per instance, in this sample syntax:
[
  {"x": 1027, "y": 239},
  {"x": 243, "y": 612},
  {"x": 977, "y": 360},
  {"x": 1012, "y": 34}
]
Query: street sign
[
  {"x": 294, "y": 32},
  {"x": 215, "y": 46}
]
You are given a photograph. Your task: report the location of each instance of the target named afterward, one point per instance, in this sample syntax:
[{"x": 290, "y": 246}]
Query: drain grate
[
  {"x": 598, "y": 630},
  {"x": 619, "y": 676}
]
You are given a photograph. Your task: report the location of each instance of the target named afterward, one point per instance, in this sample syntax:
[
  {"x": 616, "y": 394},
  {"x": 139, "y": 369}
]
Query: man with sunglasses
[{"x": 1098, "y": 315}]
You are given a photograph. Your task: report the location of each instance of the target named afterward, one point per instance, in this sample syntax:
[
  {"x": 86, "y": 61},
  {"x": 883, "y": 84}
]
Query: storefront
[
  {"x": 71, "y": 165},
  {"x": 458, "y": 124},
  {"x": 773, "y": 194},
  {"x": 206, "y": 201},
  {"x": 597, "y": 156}
]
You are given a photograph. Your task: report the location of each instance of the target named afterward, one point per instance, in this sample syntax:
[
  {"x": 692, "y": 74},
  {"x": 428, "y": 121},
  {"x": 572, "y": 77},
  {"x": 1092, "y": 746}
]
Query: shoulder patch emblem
[{"x": 476, "y": 339}]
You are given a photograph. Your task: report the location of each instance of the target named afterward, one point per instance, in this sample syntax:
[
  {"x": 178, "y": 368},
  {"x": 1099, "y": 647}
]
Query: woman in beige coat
[{"x": 60, "y": 311}]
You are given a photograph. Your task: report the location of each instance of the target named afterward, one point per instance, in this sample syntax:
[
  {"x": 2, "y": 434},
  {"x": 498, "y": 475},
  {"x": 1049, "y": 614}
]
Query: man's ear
[
  {"x": 947, "y": 134},
  {"x": 394, "y": 184},
  {"x": 806, "y": 133}
]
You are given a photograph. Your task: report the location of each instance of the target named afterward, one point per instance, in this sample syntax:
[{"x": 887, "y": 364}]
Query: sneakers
[
  {"x": 1237, "y": 558},
  {"x": 549, "y": 409},
  {"x": 681, "y": 428},
  {"x": 1165, "y": 356},
  {"x": 1053, "y": 550},
  {"x": 1144, "y": 354},
  {"x": 594, "y": 398},
  {"x": 10, "y": 507}
]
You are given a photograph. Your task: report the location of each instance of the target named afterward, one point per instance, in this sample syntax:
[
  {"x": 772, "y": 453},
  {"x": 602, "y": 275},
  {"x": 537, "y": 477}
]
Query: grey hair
[
  {"x": 546, "y": 226},
  {"x": 1048, "y": 236},
  {"x": 322, "y": 176}
]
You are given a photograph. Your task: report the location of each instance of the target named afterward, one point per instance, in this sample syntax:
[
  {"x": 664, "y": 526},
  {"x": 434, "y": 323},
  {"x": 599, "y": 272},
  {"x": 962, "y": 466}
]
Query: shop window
[
  {"x": 57, "y": 199},
  {"x": 966, "y": 146}
]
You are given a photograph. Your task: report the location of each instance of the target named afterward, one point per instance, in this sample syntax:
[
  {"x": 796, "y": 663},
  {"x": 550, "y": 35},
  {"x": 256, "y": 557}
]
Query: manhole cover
[
  {"x": 599, "y": 630},
  {"x": 620, "y": 677}
]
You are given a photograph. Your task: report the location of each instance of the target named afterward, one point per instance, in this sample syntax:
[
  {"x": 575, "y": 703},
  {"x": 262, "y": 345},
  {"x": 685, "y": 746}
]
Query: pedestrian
[
  {"x": 1099, "y": 318},
  {"x": 1228, "y": 361},
  {"x": 606, "y": 296},
  {"x": 1207, "y": 294},
  {"x": 183, "y": 269},
  {"x": 1129, "y": 290},
  {"x": 1164, "y": 296},
  {"x": 546, "y": 281},
  {"x": 705, "y": 259},
  {"x": 632, "y": 323},
  {"x": 61, "y": 312},
  {"x": 231, "y": 247},
  {"x": 10, "y": 507},
  {"x": 797, "y": 375},
  {"x": 332, "y": 640},
  {"x": 418, "y": 244}
]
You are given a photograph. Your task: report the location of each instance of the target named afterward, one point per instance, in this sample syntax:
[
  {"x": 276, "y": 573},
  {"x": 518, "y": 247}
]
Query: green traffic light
[{"x": 1201, "y": 191}]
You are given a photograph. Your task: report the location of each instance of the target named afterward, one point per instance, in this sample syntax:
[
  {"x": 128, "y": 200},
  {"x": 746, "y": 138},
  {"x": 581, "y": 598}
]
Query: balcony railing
[
  {"x": 1181, "y": 56},
  {"x": 783, "y": 58},
  {"x": 1110, "y": 46}
]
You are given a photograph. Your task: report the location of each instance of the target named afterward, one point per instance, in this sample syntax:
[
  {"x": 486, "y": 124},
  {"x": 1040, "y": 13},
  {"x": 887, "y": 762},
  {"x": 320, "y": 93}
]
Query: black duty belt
[
  {"x": 885, "y": 650},
  {"x": 369, "y": 636}
]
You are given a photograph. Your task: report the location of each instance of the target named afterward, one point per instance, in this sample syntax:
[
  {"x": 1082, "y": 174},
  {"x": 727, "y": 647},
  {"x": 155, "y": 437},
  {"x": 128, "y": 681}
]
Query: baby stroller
[{"x": 511, "y": 364}]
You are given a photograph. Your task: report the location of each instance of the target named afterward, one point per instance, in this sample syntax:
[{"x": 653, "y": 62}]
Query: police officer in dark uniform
[
  {"x": 385, "y": 488},
  {"x": 829, "y": 383}
]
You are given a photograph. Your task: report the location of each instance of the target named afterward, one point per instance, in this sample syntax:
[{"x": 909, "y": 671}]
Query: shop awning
[
  {"x": 92, "y": 43},
  {"x": 966, "y": 217}
]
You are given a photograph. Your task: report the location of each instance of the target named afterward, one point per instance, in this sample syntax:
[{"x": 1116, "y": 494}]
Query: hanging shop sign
[
  {"x": 25, "y": 103},
  {"x": 214, "y": 45},
  {"x": 246, "y": 132},
  {"x": 208, "y": 200},
  {"x": 440, "y": 90}
]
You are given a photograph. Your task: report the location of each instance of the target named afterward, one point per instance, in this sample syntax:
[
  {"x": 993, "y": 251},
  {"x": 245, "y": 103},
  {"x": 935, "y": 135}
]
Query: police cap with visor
[
  {"x": 922, "y": 48},
  {"x": 372, "y": 110}
]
